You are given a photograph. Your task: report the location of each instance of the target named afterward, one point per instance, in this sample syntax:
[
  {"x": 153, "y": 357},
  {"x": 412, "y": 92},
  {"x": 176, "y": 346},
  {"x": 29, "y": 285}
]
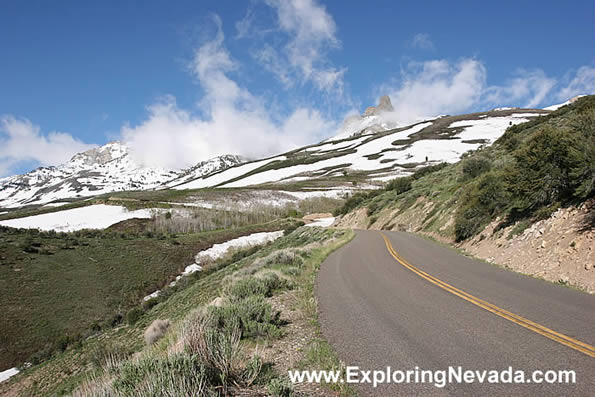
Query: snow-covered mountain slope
[
  {"x": 205, "y": 168},
  {"x": 374, "y": 155},
  {"x": 105, "y": 169}
]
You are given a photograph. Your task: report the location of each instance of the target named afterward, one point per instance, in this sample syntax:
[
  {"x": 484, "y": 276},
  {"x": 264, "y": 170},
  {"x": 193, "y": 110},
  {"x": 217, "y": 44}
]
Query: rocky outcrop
[{"x": 384, "y": 105}]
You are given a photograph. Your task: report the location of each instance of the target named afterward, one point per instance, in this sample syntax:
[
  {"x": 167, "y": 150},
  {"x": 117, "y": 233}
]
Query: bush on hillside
[
  {"x": 253, "y": 315},
  {"x": 475, "y": 166},
  {"x": 155, "y": 331},
  {"x": 400, "y": 185},
  {"x": 552, "y": 167},
  {"x": 482, "y": 200},
  {"x": 134, "y": 315},
  {"x": 354, "y": 201},
  {"x": 428, "y": 170}
]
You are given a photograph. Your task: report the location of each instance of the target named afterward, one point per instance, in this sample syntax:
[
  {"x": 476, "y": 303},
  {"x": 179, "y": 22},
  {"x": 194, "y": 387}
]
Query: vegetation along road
[{"x": 395, "y": 299}]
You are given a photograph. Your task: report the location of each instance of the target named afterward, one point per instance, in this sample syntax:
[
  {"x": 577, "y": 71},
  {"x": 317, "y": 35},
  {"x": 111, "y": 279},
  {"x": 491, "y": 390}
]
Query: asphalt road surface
[{"x": 429, "y": 307}]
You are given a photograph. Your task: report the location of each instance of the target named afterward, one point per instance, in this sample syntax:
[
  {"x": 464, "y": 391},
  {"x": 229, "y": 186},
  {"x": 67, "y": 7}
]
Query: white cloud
[
  {"x": 311, "y": 34},
  {"x": 422, "y": 41},
  {"x": 527, "y": 89},
  {"x": 583, "y": 83},
  {"x": 22, "y": 141},
  {"x": 244, "y": 25},
  {"x": 234, "y": 121},
  {"x": 435, "y": 87}
]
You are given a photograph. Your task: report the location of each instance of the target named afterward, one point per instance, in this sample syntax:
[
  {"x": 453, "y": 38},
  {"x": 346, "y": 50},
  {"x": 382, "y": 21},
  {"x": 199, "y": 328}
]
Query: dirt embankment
[{"x": 559, "y": 249}]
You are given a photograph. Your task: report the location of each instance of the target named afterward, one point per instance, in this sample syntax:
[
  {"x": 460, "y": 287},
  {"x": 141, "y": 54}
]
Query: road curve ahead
[{"x": 424, "y": 305}]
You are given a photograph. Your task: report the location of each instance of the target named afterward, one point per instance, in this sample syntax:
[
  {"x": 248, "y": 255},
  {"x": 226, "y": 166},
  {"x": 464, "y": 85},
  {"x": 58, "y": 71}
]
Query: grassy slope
[
  {"x": 86, "y": 280},
  {"x": 497, "y": 181},
  {"x": 63, "y": 372}
]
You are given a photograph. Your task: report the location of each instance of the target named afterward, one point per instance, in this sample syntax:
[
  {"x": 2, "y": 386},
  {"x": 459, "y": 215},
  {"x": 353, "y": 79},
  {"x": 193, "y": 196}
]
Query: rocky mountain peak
[
  {"x": 101, "y": 155},
  {"x": 384, "y": 105}
]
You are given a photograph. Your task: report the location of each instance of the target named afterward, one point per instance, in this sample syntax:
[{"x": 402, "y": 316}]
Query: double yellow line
[{"x": 523, "y": 322}]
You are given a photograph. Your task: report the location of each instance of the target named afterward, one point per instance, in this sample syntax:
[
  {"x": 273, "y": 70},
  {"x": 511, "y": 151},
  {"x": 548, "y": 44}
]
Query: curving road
[{"x": 426, "y": 306}]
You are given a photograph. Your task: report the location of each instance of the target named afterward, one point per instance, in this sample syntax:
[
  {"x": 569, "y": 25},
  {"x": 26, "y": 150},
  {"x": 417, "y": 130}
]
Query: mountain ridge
[
  {"x": 105, "y": 169},
  {"x": 370, "y": 148}
]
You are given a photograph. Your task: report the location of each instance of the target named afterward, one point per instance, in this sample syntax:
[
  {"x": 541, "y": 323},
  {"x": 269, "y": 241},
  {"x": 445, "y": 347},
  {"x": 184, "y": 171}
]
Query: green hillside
[{"x": 532, "y": 170}]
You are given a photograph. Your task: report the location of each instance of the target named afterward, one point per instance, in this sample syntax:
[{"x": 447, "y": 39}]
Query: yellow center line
[{"x": 515, "y": 318}]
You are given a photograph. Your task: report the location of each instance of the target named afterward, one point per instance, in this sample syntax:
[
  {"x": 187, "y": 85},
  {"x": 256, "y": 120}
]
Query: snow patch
[
  {"x": 321, "y": 222},
  {"x": 5, "y": 375},
  {"x": 218, "y": 250},
  {"x": 98, "y": 216}
]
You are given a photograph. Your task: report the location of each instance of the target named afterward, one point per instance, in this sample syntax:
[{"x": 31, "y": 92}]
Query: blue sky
[{"x": 183, "y": 81}]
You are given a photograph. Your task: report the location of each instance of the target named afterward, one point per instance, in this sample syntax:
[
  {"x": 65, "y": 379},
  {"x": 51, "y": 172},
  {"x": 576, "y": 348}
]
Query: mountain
[
  {"x": 377, "y": 152},
  {"x": 371, "y": 121},
  {"x": 206, "y": 168},
  {"x": 370, "y": 148},
  {"x": 105, "y": 169},
  {"x": 526, "y": 202}
]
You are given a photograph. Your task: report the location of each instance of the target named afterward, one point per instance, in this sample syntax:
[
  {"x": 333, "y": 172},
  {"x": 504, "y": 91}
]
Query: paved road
[{"x": 378, "y": 313}]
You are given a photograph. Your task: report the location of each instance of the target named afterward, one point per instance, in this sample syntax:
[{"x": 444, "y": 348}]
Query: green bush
[
  {"x": 554, "y": 166},
  {"x": 293, "y": 227},
  {"x": 280, "y": 388},
  {"x": 249, "y": 286},
  {"x": 253, "y": 315},
  {"x": 134, "y": 315},
  {"x": 176, "y": 375},
  {"x": 482, "y": 199},
  {"x": 428, "y": 170},
  {"x": 255, "y": 286},
  {"x": 400, "y": 185},
  {"x": 355, "y": 201},
  {"x": 475, "y": 166}
]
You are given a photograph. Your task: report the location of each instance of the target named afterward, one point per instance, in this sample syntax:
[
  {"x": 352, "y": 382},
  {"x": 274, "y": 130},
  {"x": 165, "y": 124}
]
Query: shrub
[
  {"x": 428, "y": 170},
  {"x": 291, "y": 271},
  {"x": 482, "y": 199},
  {"x": 253, "y": 286},
  {"x": 134, "y": 315},
  {"x": 400, "y": 185},
  {"x": 219, "y": 351},
  {"x": 241, "y": 254},
  {"x": 149, "y": 304},
  {"x": 176, "y": 375},
  {"x": 254, "y": 316},
  {"x": 155, "y": 331},
  {"x": 280, "y": 388},
  {"x": 355, "y": 201},
  {"x": 293, "y": 227},
  {"x": 373, "y": 207},
  {"x": 249, "y": 286},
  {"x": 475, "y": 166},
  {"x": 372, "y": 220},
  {"x": 519, "y": 228},
  {"x": 285, "y": 258}
]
